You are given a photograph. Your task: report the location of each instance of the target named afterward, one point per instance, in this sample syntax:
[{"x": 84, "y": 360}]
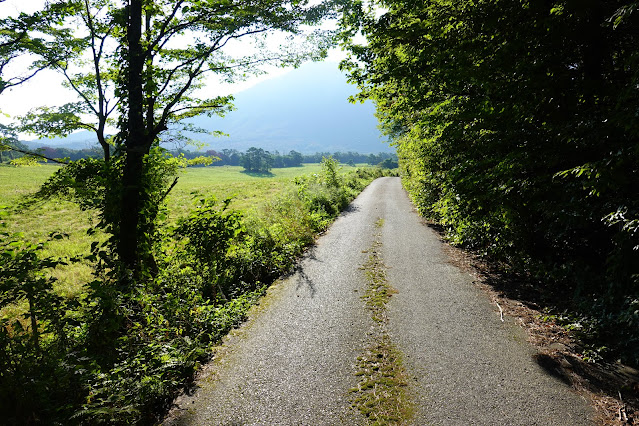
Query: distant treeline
[
  {"x": 48, "y": 152},
  {"x": 228, "y": 157},
  {"x": 233, "y": 157}
]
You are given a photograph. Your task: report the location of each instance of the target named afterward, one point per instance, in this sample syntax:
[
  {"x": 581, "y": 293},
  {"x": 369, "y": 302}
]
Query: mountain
[
  {"x": 79, "y": 140},
  {"x": 306, "y": 110}
]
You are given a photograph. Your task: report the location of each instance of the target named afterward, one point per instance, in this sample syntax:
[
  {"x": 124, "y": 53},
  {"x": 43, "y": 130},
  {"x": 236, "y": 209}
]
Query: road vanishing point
[{"x": 295, "y": 361}]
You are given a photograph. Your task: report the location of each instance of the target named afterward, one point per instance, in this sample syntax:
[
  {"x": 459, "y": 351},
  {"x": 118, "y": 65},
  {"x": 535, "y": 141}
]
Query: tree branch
[
  {"x": 77, "y": 90},
  {"x": 196, "y": 107},
  {"x": 175, "y": 181},
  {"x": 35, "y": 154}
]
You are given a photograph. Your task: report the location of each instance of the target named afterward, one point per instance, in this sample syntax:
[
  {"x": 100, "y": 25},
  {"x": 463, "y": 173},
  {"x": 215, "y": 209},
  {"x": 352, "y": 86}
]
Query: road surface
[{"x": 294, "y": 361}]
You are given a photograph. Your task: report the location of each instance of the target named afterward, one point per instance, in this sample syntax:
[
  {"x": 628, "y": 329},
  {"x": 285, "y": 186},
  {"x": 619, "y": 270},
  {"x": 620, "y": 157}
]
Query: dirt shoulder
[{"x": 612, "y": 388}]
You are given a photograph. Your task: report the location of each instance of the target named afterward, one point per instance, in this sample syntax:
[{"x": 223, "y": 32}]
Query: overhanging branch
[
  {"x": 35, "y": 154},
  {"x": 202, "y": 107}
]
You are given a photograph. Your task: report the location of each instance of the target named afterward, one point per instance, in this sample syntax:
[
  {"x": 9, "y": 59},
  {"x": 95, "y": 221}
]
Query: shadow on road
[
  {"x": 566, "y": 364},
  {"x": 350, "y": 209},
  {"x": 552, "y": 367},
  {"x": 303, "y": 280}
]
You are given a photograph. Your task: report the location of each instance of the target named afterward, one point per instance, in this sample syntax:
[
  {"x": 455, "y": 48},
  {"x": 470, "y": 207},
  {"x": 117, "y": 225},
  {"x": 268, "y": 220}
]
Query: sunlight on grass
[
  {"x": 36, "y": 223},
  {"x": 222, "y": 182},
  {"x": 16, "y": 182}
]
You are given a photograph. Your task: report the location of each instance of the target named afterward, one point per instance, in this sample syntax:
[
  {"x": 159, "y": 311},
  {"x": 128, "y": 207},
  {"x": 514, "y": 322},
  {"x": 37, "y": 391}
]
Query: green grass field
[
  {"x": 248, "y": 192},
  {"x": 17, "y": 182}
]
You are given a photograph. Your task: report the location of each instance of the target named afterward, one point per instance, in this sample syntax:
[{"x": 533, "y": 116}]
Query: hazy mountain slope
[
  {"x": 79, "y": 140},
  {"x": 305, "y": 110}
]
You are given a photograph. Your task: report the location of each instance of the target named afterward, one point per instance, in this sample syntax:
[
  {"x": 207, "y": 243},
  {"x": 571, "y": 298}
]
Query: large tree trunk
[
  {"x": 130, "y": 210},
  {"x": 136, "y": 145},
  {"x": 106, "y": 149}
]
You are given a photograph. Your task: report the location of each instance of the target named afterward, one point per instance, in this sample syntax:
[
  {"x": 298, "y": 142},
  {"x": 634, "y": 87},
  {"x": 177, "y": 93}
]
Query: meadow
[
  {"x": 248, "y": 191},
  {"x": 221, "y": 182}
]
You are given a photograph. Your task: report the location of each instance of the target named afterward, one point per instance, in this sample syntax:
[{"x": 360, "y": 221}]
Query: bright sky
[{"x": 46, "y": 88}]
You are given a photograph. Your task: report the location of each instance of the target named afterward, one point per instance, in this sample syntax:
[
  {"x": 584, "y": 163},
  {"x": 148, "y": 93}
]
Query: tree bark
[{"x": 136, "y": 145}]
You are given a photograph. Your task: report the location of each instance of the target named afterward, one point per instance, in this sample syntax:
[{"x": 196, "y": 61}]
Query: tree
[
  {"x": 148, "y": 59},
  {"x": 257, "y": 160},
  {"x": 388, "y": 163},
  {"x": 233, "y": 156},
  {"x": 161, "y": 78},
  {"x": 8, "y": 141},
  {"x": 294, "y": 159},
  {"x": 18, "y": 39},
  {"x": 25, "y": 37},
  {"x": 87, "y": 61},
  {"x": 513, "y": 126}
]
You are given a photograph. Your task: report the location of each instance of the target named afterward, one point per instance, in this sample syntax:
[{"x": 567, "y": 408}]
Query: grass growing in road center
[{"x": 381, "y": 394}]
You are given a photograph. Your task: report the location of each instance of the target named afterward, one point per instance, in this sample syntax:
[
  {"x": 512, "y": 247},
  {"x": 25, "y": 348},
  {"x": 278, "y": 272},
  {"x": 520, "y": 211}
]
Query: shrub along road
[{"x": 316, "y": 345}]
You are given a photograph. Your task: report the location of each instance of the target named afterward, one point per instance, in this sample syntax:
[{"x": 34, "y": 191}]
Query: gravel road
[{"x": 294, "y": 361}]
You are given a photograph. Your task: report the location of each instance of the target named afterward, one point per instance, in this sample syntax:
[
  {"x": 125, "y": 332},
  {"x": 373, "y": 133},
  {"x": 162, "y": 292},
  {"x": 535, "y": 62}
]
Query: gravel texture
[{"x": 293, "y": 362}]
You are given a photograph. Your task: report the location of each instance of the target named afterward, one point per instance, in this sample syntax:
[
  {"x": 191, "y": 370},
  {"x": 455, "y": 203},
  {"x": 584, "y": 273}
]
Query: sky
[{"x": 46, "y": 88}]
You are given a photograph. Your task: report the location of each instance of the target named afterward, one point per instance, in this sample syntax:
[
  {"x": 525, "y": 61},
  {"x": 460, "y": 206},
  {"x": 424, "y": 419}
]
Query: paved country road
[{"x": 294, "y": 361}]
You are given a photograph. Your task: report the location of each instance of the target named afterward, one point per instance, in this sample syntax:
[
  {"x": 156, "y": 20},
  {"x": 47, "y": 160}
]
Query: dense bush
[{"x": 514, "y": 131}]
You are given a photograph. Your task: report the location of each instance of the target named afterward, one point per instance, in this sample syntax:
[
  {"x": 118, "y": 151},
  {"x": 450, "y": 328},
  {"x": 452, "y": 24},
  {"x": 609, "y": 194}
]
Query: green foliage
[
  {"x": 25, "y": 161},
  {"x": 22, "y": 277},
  {"x": 30, "y": 346},
  {"x": 330, "y": 168},
  {"x": 201, "y": 161},
  {"x": 60, "y": 121},
  {"x": 23, "y": 39},
  {"x": 513, "y": 128},
  {"x": 107, "y": 356},
  {"x": 206, "y": 237},
  {"x": 389, "y": 163},
  {"x": 83, "y": 181},
  {"x": 257, "y": 160},
  {"x": 170, "y": 331}
]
